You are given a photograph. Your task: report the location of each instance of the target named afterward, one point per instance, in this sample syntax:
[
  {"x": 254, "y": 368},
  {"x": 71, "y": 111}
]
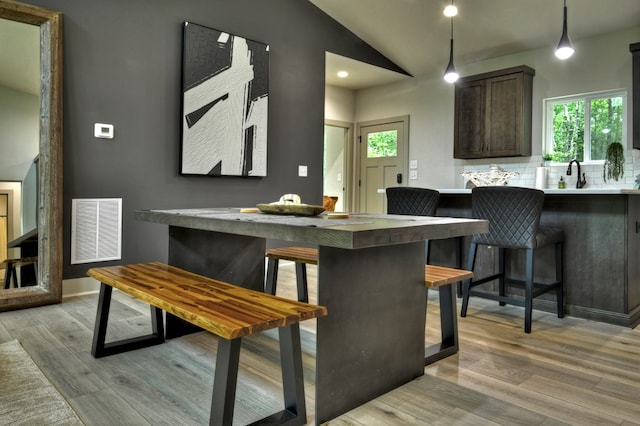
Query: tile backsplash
[{"x": 593, "y": 171}]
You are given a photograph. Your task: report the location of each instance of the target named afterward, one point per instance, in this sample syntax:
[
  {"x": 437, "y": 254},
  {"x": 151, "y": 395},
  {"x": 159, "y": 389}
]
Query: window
[
  {"x": 382, "y": 144},
  {"x": 583, "y": 126}
]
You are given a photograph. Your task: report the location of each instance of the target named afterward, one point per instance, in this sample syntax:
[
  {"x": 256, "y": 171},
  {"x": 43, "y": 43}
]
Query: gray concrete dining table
[{"x": 370, "y": 278}]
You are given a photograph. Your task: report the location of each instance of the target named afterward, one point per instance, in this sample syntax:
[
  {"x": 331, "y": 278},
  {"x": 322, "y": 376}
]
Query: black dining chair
[{"x": 514, "y": 224}]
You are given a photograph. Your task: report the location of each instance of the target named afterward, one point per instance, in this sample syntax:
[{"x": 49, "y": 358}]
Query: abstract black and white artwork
[{"x": 225, "y": 93}]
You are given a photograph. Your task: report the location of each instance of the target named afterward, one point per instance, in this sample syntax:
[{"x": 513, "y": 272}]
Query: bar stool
[{"x": 514, "y": 223}]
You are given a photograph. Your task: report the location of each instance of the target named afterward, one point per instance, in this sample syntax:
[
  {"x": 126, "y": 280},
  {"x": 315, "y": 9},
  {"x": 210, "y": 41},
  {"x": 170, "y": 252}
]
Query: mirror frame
[{"x": 49, "y": 273}]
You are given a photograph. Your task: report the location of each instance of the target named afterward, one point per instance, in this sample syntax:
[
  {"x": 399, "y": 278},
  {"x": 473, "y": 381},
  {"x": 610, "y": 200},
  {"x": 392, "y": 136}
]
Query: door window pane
[{"x": 382, "y": 144}]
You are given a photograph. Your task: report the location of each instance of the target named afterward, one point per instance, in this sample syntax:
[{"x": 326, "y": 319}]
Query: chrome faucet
[{"x": 581, "y": 183}]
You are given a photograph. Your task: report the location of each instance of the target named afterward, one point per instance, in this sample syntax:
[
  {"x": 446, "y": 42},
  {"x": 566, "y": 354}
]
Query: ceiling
[
  {"x": 415, "y": 34},
  {"x": 412, "y": 33}
]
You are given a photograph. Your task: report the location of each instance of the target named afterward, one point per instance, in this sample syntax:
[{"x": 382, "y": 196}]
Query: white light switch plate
[{"x": 302, "y": 171}]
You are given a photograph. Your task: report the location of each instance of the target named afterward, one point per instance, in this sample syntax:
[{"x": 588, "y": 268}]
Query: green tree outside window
[
  {"x": 382, "y": 144},
  {"x": 583, "y": 127}
]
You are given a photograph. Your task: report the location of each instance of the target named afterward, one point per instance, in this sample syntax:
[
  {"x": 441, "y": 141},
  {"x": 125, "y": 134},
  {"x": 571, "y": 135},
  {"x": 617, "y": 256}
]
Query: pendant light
[
  {"x": 450, "y": 74},
  {"x": 565, "y": 47}
]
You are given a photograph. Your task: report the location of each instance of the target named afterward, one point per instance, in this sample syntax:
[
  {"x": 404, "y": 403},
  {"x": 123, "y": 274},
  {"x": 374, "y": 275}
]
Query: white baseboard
[{"x": 79, "y": 286}]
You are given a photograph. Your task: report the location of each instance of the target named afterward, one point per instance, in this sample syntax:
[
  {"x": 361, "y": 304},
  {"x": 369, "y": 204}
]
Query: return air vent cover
[{"x": 96, "y": 230}]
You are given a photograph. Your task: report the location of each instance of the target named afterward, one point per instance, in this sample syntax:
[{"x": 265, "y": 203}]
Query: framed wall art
[{"x": 225, "y": 94}]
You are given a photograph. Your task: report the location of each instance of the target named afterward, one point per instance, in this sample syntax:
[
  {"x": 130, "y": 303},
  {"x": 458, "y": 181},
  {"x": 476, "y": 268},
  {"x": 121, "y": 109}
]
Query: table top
[{"x": 355, "y": 232}]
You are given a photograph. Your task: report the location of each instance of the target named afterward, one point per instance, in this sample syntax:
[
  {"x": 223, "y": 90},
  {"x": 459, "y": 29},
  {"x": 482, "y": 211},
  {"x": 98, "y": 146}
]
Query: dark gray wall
[{"x": 122, "y": 66}]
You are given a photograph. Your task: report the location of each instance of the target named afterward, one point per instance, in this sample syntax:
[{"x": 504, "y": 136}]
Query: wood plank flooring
[{"x": 567, "y": 372}]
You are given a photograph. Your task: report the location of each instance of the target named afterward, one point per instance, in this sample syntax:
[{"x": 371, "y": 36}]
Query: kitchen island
[{"x": 602, "y": 246}]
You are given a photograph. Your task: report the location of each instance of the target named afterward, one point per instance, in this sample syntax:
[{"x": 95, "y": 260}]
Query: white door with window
[{"x": 383, "y": 159}]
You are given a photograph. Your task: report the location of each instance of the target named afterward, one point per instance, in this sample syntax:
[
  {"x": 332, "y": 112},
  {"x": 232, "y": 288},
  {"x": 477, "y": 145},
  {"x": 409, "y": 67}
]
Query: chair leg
[
  {"x": 466, "y": 286},
  {"x": 272, "y": 277},
  {"x": 301, "y": 282},
  {"x": 560, "y": 279},
  {"x": 501, "y": 262},
  {"x": 528, "y": 291}
]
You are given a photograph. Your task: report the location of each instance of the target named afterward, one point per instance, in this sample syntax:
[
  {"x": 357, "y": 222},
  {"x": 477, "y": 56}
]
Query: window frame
[{"x": 547, "y": 120}]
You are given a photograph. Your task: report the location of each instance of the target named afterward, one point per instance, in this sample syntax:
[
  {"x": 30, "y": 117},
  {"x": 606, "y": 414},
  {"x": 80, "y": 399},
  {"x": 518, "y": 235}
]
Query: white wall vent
[{"x": 96, "y": 229}]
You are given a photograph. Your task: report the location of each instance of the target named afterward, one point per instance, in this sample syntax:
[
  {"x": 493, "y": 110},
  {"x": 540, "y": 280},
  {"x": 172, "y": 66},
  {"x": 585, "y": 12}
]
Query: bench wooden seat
[
  {"x": 439, "y": 277},
  {"x": 229, "y": 311}
]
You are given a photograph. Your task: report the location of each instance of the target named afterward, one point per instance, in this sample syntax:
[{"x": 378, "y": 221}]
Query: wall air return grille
[{"x": 96, "y": 230}]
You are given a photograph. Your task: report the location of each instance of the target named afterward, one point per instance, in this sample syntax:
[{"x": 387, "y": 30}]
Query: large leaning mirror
[{"x": 40, "y": 187}]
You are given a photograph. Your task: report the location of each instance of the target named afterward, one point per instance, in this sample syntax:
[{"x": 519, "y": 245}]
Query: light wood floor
[{"x": 567, "y": 371}]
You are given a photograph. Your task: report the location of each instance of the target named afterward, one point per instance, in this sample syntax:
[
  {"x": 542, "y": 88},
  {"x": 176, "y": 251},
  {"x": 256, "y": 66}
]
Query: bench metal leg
[
  {"x": 226, "y": 375},
  {"x": 9, "y": 274},
  {"x": 224, "y": 382},
  {"x": 272, "y": 276},
  {"x": 448, "y": 325},
  {"x": 271, "y": 282},
  {"x": 301, "y": 282},
  {"x": 101, "y": 349},
  {"x": 295, "y": 412}
]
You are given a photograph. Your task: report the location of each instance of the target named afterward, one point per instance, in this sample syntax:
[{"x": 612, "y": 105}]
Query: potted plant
[
  {"x": 613, "y": 162},
  {"x": 547, "y": 159}
]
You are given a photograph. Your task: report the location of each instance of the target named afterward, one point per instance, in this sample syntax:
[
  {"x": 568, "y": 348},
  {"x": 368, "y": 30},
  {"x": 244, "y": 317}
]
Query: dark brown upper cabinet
[
  {"x": 635, "y": 51},
  {"x": 493, "y": 114}
]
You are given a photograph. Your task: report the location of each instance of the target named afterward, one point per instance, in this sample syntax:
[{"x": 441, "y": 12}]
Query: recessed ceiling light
[
  {"x": 343, "y": 74},
  {"x": 450, "y": 11}
]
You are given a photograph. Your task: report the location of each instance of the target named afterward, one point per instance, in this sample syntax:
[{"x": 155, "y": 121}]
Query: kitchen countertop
[{"x": 568, "y": 191}]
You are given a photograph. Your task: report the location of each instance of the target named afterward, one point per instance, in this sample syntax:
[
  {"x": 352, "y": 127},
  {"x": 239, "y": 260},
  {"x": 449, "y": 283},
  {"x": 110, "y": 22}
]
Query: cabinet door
[
  {"x": 469, "y": 137},
  {"x": 503, "y": 125}
]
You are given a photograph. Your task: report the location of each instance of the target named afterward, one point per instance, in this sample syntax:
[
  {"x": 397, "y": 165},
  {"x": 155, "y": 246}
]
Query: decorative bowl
[
  {"x": 291, "y": 209},
  {"x": 496, "y": 176}
]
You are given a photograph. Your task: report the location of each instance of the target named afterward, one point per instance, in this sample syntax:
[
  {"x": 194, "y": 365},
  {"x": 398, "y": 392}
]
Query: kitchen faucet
[{"x": 580, "y": 183}]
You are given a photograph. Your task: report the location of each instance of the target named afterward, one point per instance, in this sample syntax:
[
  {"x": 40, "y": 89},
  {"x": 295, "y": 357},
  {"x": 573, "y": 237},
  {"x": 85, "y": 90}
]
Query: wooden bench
[
  {"x": 443, "y": 278},
  {"x": 439, "y": 277},
  {"x": 12, "y": 274},
  {"x": 229, "y": 311},
  {"x": 301, "y": 256}
]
